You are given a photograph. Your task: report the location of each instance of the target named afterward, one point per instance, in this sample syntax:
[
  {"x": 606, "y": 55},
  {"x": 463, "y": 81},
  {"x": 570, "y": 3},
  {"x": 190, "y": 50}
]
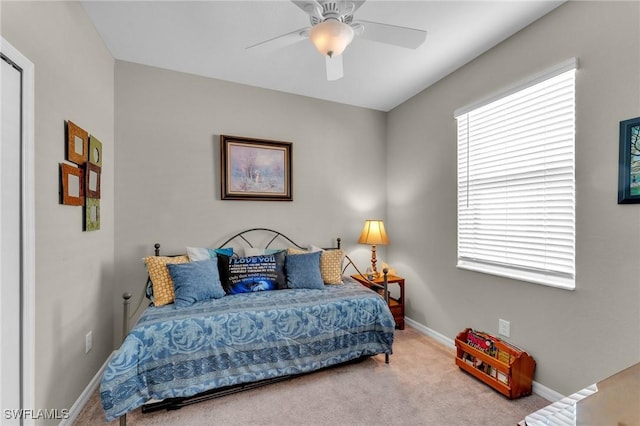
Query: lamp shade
[
  {"x": 373, "y": 233},
  {"x": 331, "y": 37}
]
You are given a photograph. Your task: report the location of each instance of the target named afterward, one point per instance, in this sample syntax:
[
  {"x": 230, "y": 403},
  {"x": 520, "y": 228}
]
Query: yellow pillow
[
  {"x": 292, "y": 250},
  {"x": 331, "y": 266},
  {"x": 163, "y": 292}
]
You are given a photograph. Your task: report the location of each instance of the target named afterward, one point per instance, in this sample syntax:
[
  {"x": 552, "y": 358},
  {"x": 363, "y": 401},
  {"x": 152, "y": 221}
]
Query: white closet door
[{"x": 10, "y": 240}]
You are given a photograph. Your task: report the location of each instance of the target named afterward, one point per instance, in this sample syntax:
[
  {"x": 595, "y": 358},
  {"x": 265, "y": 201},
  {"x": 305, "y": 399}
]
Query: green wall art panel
[{"x": 92, "y": 214}]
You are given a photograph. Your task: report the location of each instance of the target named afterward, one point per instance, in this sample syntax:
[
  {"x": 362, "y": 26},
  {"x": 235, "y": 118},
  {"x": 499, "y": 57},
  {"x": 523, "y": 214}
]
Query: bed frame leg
[
  {"x": 385, "y": 271},
  {"x": 125, "y": 314},
  {"x": 125, "y": 329}
]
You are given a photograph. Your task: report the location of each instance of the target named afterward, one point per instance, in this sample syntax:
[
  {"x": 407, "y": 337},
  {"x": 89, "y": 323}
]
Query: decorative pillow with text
[{"x": 253, "y": 273}]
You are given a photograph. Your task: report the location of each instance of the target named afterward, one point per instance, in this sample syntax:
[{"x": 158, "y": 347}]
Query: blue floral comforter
[{"x": 177, "y": 352}]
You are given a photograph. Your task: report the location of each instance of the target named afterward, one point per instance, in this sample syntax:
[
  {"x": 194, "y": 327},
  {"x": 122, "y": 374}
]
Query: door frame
[{"x": 28, "y": 224}]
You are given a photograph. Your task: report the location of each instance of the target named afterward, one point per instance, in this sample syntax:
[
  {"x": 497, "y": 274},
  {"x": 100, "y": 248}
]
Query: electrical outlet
[
  {"x": 88, "y": 341},
  {"x": 504, "y": 328}
]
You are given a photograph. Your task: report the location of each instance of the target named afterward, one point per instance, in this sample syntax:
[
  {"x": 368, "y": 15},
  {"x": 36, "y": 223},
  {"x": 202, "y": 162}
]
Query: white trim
[
  {"x": 536, "y": 388},
  {"x": 550, "y": 280},
  {"x": 28, "y": 224},
  {"x": 557, "y": 69},
  {"x": 84, "y": 397},
  {"x": 431, "y": 333},
  {"x": 546, "y": 393}
]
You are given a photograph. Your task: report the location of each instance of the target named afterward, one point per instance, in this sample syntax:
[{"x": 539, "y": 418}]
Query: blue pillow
[
  {"x": 196, "y": 281},
  {"x": 227, "y": 251},
  {"x": 253, "y": 273},
  {"x": 303, "y": 270},
  {"x": 200, "y": 253}
]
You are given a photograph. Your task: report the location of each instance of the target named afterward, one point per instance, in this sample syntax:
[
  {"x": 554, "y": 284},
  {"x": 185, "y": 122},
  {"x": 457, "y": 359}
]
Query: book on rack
[
  {"x": 504, "y": 356},
  {"x": 493, "y": 346},
  {"x": 503, "y": 378},
  {"x": 481, "y": 341}
]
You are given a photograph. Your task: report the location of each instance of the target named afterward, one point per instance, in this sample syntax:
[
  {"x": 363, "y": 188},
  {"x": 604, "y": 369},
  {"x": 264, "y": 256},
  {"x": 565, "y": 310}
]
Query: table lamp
[{"x": 373, "y": 234}]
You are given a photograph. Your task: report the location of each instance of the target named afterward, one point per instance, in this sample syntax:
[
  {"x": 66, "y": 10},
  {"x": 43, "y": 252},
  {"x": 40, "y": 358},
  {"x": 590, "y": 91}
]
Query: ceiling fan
[{"x": 333, "y": 28}]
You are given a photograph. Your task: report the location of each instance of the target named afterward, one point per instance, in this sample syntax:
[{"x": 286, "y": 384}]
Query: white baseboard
[
  {"x": 82, "y": 400},
  {"x": 537, "y": 388},
  {"x": 546, "y": 393},
  {"x": 431, "y": 333}
]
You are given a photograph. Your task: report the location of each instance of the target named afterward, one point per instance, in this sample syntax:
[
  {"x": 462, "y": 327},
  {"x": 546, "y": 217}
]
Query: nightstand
[{"x": 396, "y": 305}]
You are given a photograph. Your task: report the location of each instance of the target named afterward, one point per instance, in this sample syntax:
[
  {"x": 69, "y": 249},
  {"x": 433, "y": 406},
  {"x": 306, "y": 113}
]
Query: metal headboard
[{"x": 276, "y": 235}]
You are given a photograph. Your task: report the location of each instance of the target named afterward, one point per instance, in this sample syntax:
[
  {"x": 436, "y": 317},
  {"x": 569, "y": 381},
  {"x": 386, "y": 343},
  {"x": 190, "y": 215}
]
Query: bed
[{"x": 253, "y": 337}]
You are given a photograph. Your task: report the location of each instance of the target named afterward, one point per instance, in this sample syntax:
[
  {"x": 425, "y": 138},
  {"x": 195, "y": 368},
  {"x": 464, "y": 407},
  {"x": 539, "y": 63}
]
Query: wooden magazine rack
[{"x": 507, "y": 369}]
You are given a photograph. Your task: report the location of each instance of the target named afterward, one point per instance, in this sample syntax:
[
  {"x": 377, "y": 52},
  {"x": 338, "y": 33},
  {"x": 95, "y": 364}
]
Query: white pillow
[
  {"x": 253, "y": 251},
  {"x": 198, "y": 253}
]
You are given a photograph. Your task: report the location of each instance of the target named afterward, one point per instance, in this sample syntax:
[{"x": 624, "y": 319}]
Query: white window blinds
[{"x": 516, "y": 182}]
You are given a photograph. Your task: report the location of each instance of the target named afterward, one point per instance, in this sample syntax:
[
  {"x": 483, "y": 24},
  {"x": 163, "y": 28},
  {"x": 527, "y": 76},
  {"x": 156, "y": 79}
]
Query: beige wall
[
  {"x": 349, "y": 164},
  {"x": 577, "y": 337},
  {"x": 168, "y": 166},
  {"x": 74, "y": 269}
]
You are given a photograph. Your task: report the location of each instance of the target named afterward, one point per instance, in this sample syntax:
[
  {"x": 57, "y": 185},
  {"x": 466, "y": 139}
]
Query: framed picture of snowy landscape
[{"x": 255, "y": 169}]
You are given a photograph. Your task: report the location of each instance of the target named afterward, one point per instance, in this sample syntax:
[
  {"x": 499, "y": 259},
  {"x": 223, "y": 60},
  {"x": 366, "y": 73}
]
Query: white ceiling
[{"x": 209, "y": 38}]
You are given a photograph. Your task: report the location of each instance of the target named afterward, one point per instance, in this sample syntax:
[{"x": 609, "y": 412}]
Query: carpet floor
[{"x": 421, "y": 386}]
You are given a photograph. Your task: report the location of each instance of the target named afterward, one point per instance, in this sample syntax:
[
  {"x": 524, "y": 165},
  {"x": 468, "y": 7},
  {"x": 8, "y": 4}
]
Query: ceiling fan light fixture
[{"x": 331, "y": 37}]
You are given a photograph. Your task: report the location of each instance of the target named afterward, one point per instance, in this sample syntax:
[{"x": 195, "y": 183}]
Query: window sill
[{"x": 565, "y": 283}]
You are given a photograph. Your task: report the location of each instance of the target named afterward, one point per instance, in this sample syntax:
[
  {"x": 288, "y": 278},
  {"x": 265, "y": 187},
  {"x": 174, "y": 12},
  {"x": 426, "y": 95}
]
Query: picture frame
[
  {"x": 255, "y": 169},
  {"x": 72, "y": 185},
  {"x": 629, "y": 163},
  {"x": 95, "y": 151},
  {"x": 92, "y": 175},
  {"x": 77, "y": 143},
  {"x": 92, "y": 214}
]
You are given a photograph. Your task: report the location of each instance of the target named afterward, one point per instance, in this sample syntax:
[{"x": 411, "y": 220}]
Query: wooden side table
[{"x": 396, "y": 305}]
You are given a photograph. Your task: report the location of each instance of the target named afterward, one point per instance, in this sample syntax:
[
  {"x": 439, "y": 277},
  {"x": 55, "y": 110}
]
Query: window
[{"x": 516, "y": 181}]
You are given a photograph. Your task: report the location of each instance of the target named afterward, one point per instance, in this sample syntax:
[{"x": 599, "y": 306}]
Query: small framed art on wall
[
  {"x": 255, "y": 169},
  {"x": 629, "y": 164}
]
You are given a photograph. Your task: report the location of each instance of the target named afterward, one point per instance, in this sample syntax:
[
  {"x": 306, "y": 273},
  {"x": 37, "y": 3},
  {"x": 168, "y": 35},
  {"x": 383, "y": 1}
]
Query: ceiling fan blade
[
  {"x": 310, "y": 7},
  {"x": 357, "y": 4},
  {"x": 282, "y": 40},
  {"x": 334, "y": 67},
  {"x": 410, "y": 38}
]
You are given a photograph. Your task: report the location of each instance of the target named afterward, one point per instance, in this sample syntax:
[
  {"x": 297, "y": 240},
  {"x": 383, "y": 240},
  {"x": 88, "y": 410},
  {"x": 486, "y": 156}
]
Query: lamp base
[{"x": 373, "y": 262}]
